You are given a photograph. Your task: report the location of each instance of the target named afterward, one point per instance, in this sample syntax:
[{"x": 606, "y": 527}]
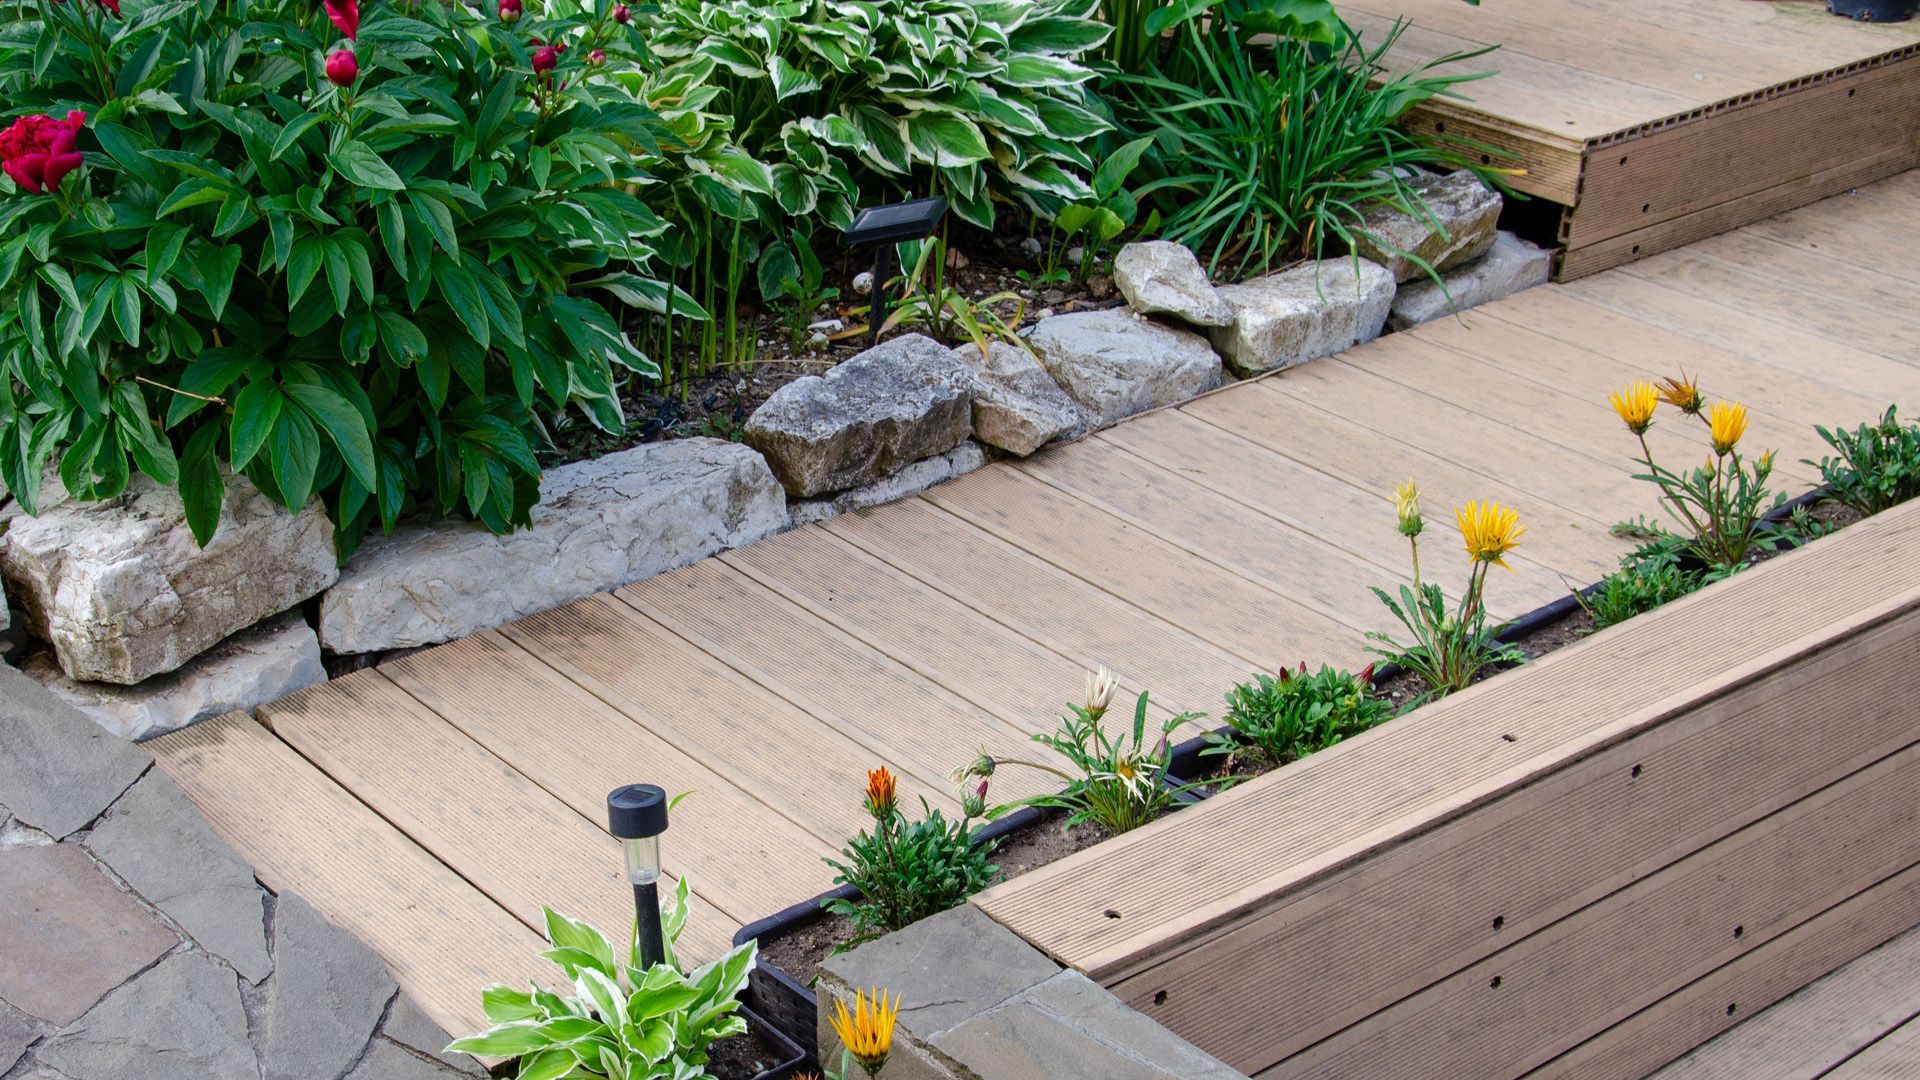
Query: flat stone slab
[
  {"x": 58, "y": 769},
  {"x": 71, "y": 934},
  {"x": 388, "y": 1061},
  {"x": 1508, "y": 267},
  {"x": 251, "y": 668},
  {"x": 158, "y": 843},
  {"x": 1017, "y": 406},
  {"x": 411, "y": 1028},
  {"x": 327, "y": 996},
  {"x": 1313, "y": 310},
  {"x": 1160, "y": 277},
  {"x": 17, "y": 1032},
  {"x": 600, "y": 524},
  {"x": 1465, "y": 209},
  {"x": 867, "y": 418},
  {"x": 916, "y": 477},
  {"x": 181, "y": 1021},
  {"x": 1114, "y": 363},
  {"x": 122, "y": 592}
]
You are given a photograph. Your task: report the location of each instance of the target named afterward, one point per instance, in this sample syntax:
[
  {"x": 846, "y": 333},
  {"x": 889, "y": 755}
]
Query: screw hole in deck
[
  {"x": 1732, "y": 1007},
  {"x": 1739, "y": 932},
  {"x": 1111, "y": 914},
  {"x": 1509, "y": 738},
  {"x": 1495, "y": 984},
  {"x": 1499, "y": 921},
  {"x": 1634, "y": 772},
  {"x": 1159, "y": 997}
]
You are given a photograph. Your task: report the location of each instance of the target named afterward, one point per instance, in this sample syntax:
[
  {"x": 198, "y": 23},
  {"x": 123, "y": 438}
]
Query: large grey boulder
[
  {"x": 253, "y": 667},
  {"x": 1464, "y": 207},
  {"x": 1016, "y": 405},
  {"x": 1313, "y": 310},
  {"x": 599, "y": 524},
  {"x": 916, "y": 477},
  {"x": 1160, "y": 277},
  {"x": 122, "y": 592},
  {"x": 1509, "y": 266},
  {"x": 900, "y": 401},
  {"x": 1115, "y": 363}
]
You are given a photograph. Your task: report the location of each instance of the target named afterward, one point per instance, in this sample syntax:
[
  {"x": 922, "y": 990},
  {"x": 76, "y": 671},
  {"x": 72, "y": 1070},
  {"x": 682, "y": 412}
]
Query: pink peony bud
[
  {"x": 343, "y": 67},
  {"x": 510, "y": 11},
  {"x": 621, "y": 15},
  {"x": 544, "y": 59},
  {"x": 597, "y": 57}
]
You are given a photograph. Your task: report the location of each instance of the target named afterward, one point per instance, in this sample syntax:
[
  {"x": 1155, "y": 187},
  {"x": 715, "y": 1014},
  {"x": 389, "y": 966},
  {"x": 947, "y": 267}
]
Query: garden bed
[{"x": 762, "y": 1052}]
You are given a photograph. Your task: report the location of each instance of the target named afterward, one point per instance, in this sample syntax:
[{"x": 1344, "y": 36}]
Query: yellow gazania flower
[
  {"x": 868, "y": 1030},
  {"x": 1635, "y": 405},
  {"x": 1682, "y": 393},
  {"x": 1728, "y": 422},
  {"x": 1490, "y": 531},
  {"x": 1406, "y": 504},
  {"x": 880, "y": 792}
]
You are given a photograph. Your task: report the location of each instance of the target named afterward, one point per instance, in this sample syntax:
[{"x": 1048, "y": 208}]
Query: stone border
[
  {"x": 978, "y": 1003},
  {"x": 139, "y": 945}
]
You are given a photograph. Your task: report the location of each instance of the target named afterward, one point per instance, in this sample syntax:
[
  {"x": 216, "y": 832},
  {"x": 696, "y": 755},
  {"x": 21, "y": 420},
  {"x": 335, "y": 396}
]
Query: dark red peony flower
[
  {"x": 345, "y": 15},
  {"x": 111, "y": 5},
  {"x": 510, "y": 11},
  {"x": 39, "y": 151},
  {"x": 343, "y": 67},
  {"x": 544, "y": 59},
  {"x": 621, "y": 14}
]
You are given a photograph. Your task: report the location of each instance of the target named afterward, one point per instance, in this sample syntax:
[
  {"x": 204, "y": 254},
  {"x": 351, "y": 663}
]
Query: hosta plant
[
  {"x": 1283, "y": 717},
  {"x": 358, "y": 254},
  {"x": 908, "y": 869},
  {"x": 616, "y": 1020}
]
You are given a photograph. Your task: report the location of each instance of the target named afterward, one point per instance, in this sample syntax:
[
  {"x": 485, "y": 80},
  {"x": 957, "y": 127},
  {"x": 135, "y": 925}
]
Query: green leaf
[
  {"x": 357, "y": 162},
  {"x": 1058, "y": 34},
  {"x": 503, "y": 1004},
  {"x": 464, "y": 295},
  {"x": 256, "y": 412},
  {"x": 290, "y": 135},
  {"x": 192, "y": 191},
  {"x": 293, "y": 452},
  {"x": 1112, "y": 174},
  {"x": 944, "y": 139},
  {"x": 789, "y": 80},
  {"x": 503, "y": 1040},
  {"x": 202, "y": 488},
  {"x": 343, "y": 425},
  {"x": 566, "y": 933},
  {"x": 151, "y": 451}
]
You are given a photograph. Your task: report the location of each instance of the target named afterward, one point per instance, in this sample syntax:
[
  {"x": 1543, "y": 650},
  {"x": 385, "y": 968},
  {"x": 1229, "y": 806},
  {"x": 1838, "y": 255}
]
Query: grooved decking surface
[{"x": 432, "y": 804}]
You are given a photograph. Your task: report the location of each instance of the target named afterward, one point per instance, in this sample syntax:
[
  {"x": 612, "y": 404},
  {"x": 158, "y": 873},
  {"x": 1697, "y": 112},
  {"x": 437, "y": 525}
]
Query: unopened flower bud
[
  {"x": 544, "y": 59},
  {"x": 621, "y": 15},
  {"x": 342, "y": 68},
  {"x": 597, "y": 57},
  {"x": 510, "y": 11}
]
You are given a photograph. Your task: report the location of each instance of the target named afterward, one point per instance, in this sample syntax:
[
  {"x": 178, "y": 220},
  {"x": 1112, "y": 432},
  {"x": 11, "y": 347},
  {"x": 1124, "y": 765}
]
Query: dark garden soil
[
  {"x": 800, "y": 951},
  {"x": 719, "y": 403},
  {"x": 742, "y": 1057}
]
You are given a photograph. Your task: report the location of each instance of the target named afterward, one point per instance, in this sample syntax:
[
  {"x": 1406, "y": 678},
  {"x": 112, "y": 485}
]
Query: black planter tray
[{"x": 793, "y": 1057}]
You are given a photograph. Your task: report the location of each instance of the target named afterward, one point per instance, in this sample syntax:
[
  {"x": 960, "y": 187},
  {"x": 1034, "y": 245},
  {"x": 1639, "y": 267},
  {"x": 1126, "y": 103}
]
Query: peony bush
[{"x": 359, "y": 253}]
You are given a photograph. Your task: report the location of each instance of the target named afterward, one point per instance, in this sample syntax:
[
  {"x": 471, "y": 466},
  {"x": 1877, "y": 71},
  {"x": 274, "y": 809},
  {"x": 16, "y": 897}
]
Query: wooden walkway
[
  {"x": 1656, "y": 123},
  {"x": 433, "y": 804}
]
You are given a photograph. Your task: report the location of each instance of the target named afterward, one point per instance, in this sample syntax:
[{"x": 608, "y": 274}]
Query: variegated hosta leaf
[{"x": 942, "y": 139}]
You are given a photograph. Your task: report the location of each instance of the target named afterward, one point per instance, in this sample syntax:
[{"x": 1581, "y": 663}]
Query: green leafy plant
[
  {"x": 1280, "y": 718},
  {"x": 907, "y": 870},
  {"x": 1878, "y": 466},
  {"x": 1111, "y": 210},
  {"x": 926, "y": 300},
  {"x": 1117, "y": 781},
  {"x": 622, "y": 1021},
  {"x": 1449, "y": 648},
  {"x": 1646, "y": 579},
  {"x": 1266, "y": 153},
  {"x": 971, "y": 100},
  {"x": 790, "y": 276},
  {"x": 353, "y": 263}
]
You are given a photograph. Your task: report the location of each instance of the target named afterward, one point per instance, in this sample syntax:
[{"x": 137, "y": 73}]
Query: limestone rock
[
  {"x": 122, "y": 592},
  {"x": 1313, "y": 310},
  {"x": 58, "y": 770},
  {"x": 916, "y": 477},
  {"x": 181, "y": 1021},
  {"x": 250, "y": 668},
  {"x": 1509, "y": 266},
  {"x": 159, "y": 844},
  {"x": 1160, "y": 277},
  {"x": 600, "y": 524},
  {"x": 1115, "y": 363},
  {"x": 328, "y": 993},
  {"x": 870, "y": 416},
  {"x": 1016, "y": 405},
  {"x": 1467, "y": 211}
]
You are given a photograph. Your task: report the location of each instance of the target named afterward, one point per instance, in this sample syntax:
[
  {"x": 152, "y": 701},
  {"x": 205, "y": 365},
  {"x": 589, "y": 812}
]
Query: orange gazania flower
[
  {"x": 1635, "y": 405},
  {"x": 880, "y": 792},
  {"x": 1490, "y": 531},
  {"x": 1682, "y": 393},
  {"x": 867, "y": 1031},
  {"x": 1728, "y": 422}
]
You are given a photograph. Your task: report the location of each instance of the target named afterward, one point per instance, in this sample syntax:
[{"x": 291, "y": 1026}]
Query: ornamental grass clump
[
  {"x": 1720, "y": 506},
  {"x": 1449, "y": 648},
  {"x": 1117, "y": 781},
  {"x": 1283, "y": 717},
  {"x": 907, "y": 870}
]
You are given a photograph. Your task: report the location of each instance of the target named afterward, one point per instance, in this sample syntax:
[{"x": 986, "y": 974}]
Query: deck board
[{"x": 1184, "y": 548}]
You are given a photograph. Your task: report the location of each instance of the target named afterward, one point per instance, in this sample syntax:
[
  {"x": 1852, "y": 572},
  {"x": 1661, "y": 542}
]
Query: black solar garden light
[
  {"x": 637, "y": 814},
  {"x": 881, "y": 227}
]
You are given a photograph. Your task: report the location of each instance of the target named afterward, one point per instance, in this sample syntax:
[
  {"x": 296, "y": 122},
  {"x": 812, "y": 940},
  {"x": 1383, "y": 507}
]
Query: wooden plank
[
  {"x": 1294, "y": 827},
  {"x": 443, "y": 939},
  {"x": 534, "y": 851},
  {"x": 1819, "y": 1026},
  {"x": 1819, "y": 274},
  {"x": 1747, "y": 149},
  {"x": 739, "y": 853},
  {"x": 1678, "y": 231},
  {"x": 1313, "y": 963},
  {"x": 1242, "y": 617},
  {"x": 1855, "y": 226},
  {"x": 1708, "y": 1006},
  {"x": 1538, "y": 166},
  {"x": 828, "y": 673},
  {"x": 1528, "y": 1003},
  {"x": 710, "y": 712},
  {"x": 1896, "y": 1056},
  {"x": 1078, "y": 619}
]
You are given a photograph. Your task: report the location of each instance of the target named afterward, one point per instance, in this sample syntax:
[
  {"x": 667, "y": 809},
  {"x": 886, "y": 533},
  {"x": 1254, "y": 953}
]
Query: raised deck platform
[{"x": 1655, "y": 123}]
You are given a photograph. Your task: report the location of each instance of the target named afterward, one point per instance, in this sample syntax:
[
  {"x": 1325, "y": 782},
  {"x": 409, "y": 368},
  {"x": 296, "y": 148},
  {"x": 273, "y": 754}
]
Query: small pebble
[
  {"x": 1031, "y": 245},
  {"x": 1076, "y": 253},
  {"x": 863, "y": 282},
  {"x": 1099, "y": 286},
  {"x": 828, "y": 326},
  {"x": 1043, "y": 313},
  {"x": 815, "y": 342},
  {"x": 956, "y": 260}
]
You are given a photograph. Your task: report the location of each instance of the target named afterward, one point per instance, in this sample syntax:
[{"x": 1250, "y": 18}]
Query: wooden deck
[
  {"x": 433, "y": 804},
  {"x": 1655, "y": 123}
]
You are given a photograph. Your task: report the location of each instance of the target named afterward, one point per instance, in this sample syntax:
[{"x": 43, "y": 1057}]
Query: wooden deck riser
[{"x": 1319, "y": 961}]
